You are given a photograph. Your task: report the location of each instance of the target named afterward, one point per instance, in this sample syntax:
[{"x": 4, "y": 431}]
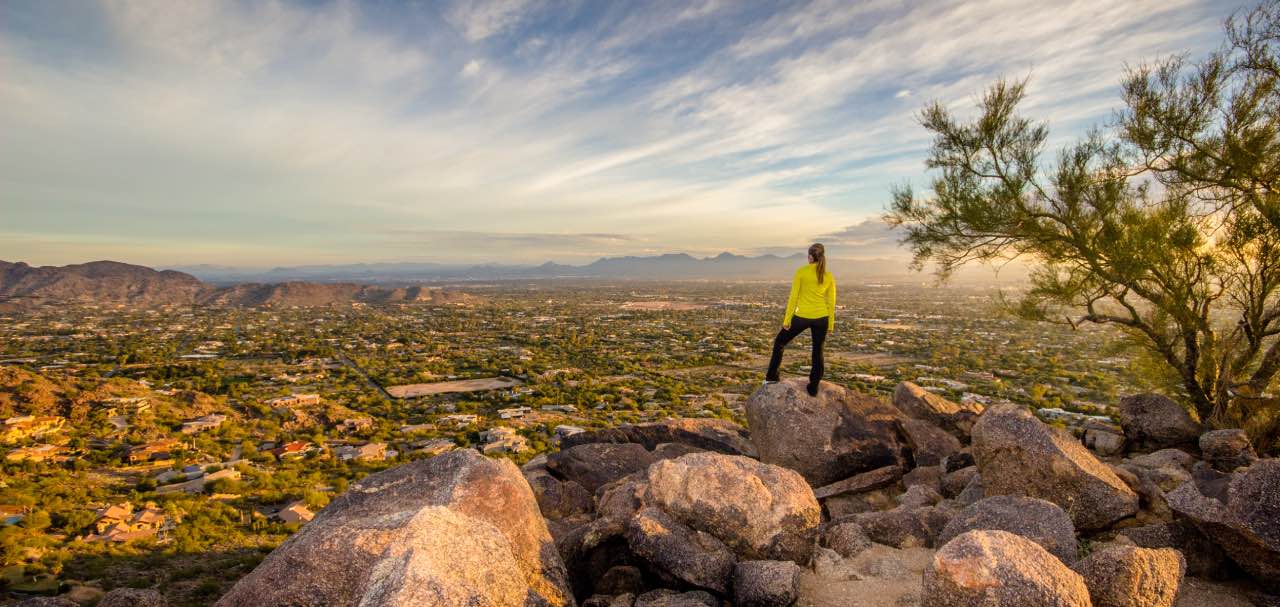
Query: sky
[{"x": 265, "y": 133}]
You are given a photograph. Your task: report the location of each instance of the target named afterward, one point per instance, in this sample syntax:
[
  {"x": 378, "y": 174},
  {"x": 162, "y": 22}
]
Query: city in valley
[{"x": 175, "y": 446}]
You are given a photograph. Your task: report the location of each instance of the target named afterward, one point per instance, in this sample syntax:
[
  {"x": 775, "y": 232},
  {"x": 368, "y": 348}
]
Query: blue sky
[{"x": 270, "y": 133}]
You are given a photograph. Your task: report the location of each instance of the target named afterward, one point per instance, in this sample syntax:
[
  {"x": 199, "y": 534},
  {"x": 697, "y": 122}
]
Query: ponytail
[{"x": 819, "y": 256}]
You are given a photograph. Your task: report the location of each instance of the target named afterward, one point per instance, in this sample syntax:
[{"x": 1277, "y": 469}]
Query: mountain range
[
  {"x": 111, "y": 282},
  {"x": 672, "y": 266}
]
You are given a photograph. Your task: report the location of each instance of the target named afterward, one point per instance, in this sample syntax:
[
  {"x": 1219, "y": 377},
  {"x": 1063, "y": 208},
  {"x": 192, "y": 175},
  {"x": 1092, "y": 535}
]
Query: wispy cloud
[{"x": 295, "y": 132}]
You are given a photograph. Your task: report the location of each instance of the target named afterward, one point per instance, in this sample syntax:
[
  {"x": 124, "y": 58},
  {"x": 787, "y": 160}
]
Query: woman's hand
[{"x": 786, "y": 326}]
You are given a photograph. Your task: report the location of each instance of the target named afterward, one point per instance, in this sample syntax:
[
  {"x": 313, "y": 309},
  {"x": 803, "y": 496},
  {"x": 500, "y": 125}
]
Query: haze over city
[{"x": 262, "y": 134}]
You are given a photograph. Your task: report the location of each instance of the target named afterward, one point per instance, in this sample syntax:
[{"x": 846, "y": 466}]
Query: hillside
[
  {"x": 103, "y": 282},
  {"x": 115, "y": 283}
]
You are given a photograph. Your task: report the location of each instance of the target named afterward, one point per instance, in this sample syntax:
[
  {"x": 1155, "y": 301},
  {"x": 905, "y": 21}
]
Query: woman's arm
[
  {"x": 831, "y": 304},
  {"x": 791, "y": 300}
]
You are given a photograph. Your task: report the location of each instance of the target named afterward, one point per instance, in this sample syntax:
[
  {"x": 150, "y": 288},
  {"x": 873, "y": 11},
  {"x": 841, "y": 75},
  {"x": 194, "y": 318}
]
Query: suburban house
[
  {"x": 296, "y": 448},
  {"x": 295, "y": 513},
  {"x": 513, "y": 412},
  {"x": 38, "y": 453},
  {"x": 295, "y": 400},
  {"x": 22, "y": 427},
  {"x": 370, "y": 451},
  {"x": 200, "y": 424},
  {"x": 433, "y": 446},
  {"x": 196, "y": 485},
  {"x": 460, "y": 419},
  {"x": 121, "y": 523},
  {"x": 502, "y": 440},
  {"x": 157, "y": 450},
  {"x": 355, "y": 424}
]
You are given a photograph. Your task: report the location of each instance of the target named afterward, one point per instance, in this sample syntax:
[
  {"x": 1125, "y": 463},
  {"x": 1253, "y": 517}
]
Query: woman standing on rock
[{"x": 812, "y": 306}]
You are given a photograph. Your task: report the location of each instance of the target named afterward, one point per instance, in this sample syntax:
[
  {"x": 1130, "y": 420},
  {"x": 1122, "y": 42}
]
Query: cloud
[
  {"x": 292, "y": 132},
  {"x": 480, "y": 19},
  {"x": 872, "y": 238}
]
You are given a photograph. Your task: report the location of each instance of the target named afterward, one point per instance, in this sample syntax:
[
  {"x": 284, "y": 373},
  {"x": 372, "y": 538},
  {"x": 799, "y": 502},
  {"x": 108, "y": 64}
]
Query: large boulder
[
  {"x": 1000, "y": 569},
  {"x": 718, "y": 435},
  {"x": 454, "y": 529},
  {"x": 1152, "y": 421},
  {"x": 761, "y": 511},
  {"x": 1035, "y": 519},
  {"x": 1017, "y": 454},
  {"x": 825, "y": 438},
  {"x": 1244, "y": 519},
  {"x": 1227, "y": 450},
  {"x": 917, "y": 403},
  {"x": 594, "y": 465},
  {"x": 1128, "y": 576}
]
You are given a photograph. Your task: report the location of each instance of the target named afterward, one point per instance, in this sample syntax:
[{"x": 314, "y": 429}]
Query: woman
[{"x": 812, "y": 306}]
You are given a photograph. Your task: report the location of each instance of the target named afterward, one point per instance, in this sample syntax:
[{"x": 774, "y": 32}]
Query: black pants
[{"x": 816, "y": 326}]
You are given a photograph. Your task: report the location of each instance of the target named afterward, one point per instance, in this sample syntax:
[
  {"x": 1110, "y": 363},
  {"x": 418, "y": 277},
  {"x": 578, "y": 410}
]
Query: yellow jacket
[{"x": 809, "y": 299}]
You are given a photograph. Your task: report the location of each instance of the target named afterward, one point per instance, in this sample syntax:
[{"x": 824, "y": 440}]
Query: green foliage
[{"x": 1167, "y": 226}]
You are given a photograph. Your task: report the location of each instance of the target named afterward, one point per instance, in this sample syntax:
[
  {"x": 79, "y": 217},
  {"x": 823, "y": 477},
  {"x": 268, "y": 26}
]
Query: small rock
[
  {"x": 46, "y": 601},
  {"x": 719, "y": 435},
  {"x": 621, "y": 579},
  {"x": 998, "y": 568},
  {"x": 1227, "y": 450},
  {"x": 956, "y": 461},
  {"x": 1103, "y": 439},
  {"x": 929, "y": 444},
  {"x": 133, "y": 597},
  {"x": 1164, "y": 458},
  {"x": 1035, "y": 519},
  {"x": 670, "y": 598},
  {"x": 902, "y": 528},
  {"x": 1128, "y": 576},
  {"x": 928, "y": 476},
  {"x": 766, "y": 584},
  {"x": 973, "y": 492},
  {"x": 918, "y": 496},
  {"x": 594, "y": 465},
  {"x": 558, "y": 499},
  {"x": 1152, "y": 421},
  {"x": 918, "y": 403},
  {"x": 693, "y": 557},
  {"x": 860, "y": 483},
  {"x": 604, "y": 600},
  {"x": 847, "y": 539},
  {"x": 1204, "y": 558},
  {"x": 956, "y": 481}
]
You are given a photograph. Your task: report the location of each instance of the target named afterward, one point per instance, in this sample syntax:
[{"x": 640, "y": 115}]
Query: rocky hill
[
  {"x": 840, "y": 499},
  {"x": 114, "y": 283}
]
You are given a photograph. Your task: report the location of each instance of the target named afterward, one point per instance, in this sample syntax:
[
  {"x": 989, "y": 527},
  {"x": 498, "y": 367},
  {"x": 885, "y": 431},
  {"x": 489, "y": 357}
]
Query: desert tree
[{"x": 1165, "y": 224}]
